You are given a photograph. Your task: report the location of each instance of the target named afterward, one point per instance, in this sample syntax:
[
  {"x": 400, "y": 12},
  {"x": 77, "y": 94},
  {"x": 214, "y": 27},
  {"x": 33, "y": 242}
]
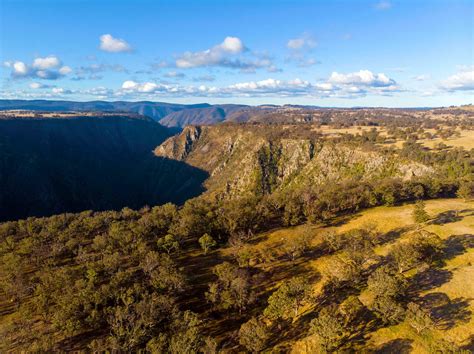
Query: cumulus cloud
[
  {"x": 351, "y": 85},
  {"x": 461, "y": 81},
  {"x": 215, "y": 56},
  {"x": 113, "y": 45},
  {"x": 48, "y": 68},
  {"x": 49, "y": 62},
  {"x": 231, "y": 53},
  {"x": 362, "y": 77}
]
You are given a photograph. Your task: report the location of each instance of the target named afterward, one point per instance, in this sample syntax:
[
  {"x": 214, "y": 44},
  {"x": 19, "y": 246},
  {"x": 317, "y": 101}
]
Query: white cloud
[
  {"x": 20, "y": 68},
  {"x": 461, "y": 81},
  {"x": 38, "y": 85},
  {"x": 383, "y": 5},
  {"x": 49, "y": 62},
  {"x": 113, "y": 45},
  {"x": 362, "y": 77},
  {"x": 305, "y": 41},
  {"x": 300, "y": 48},
  {"x": 61, "y": 91},
  {"x": 145, "y": 87},
  {"x": 65, "y": 70},
  {"x": 232, "y": 45},
  {"x": 48, "y": 68},
  {"x": 217, "y": 55},
  {"x": 350, "y": 85}
]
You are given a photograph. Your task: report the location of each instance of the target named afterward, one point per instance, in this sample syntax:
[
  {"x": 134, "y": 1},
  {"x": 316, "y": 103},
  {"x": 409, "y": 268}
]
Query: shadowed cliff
[{"x": 49, "y": 166}]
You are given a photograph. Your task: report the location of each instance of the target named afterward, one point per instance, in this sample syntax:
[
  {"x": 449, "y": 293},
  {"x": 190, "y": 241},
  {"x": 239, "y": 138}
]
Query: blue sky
[{"x": 328, "y": 53}]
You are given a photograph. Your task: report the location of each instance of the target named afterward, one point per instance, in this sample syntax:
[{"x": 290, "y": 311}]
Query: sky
[{"x": 391, "y": 53}]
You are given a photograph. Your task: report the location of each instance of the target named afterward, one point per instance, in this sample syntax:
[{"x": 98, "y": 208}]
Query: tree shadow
[
  {"x": 456, "y": 245},
  {"x": 446, "y": 312},
  {"x": 393, "y": 235},
  {"x": 399, "y": 346},
  {"x": 451, "y": 216},
  {"x": 453, "y": 312},
  {"x": 429, "y": 279},
  {"x": 469, "y": 346}
]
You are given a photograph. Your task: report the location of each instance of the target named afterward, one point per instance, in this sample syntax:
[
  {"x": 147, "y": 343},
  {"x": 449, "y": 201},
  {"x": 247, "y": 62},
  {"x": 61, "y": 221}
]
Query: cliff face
[
  {"x": 49, "y": 166},
  {"x": 262, "y": 159}
]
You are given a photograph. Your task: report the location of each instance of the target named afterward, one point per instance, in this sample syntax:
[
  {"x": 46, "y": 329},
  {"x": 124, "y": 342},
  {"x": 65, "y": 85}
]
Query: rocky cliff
[{"x": 261, "y": 159}]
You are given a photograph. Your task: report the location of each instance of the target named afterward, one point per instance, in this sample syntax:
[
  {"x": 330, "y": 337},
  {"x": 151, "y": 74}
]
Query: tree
[
  {"x": 168, "y": 243},
  {"x": 329, "y": 328},
  {"x": 132, "y": 322},
  {"x": 185, "y": 334},
  {"x": 383, "y": 281},
  {"x": 419, "y": 213},
  {"x": 352, "y": 310},
  {"x": 232, "y": 288},
  {"x": 287, "y": 299},
  {"x": 388, "y": 289},
  {"x": 297, "y": 245},
  {"x": 253, "y": 335},
  {"x": 207, "y": 242},
  {"x": 404, "y": 255},
  {"x": 418, "y": 317},
  {"x": 429, "y": 245},
  {"x": 466, "y": 190},
  {"x": 162, "y": 272}
]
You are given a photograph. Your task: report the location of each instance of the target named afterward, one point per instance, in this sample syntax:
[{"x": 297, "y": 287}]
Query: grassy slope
[
  {"x": 458, "y": 282},
  {"x": 459, "y": 285}
]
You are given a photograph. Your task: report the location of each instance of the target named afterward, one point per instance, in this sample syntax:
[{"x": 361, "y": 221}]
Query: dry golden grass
[
  {"x": 465, "y": 140},
  {"x": 459, "y": 287}
]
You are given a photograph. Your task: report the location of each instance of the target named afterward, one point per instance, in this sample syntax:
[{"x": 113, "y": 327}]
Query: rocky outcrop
[{"x": 262, "y": 159}]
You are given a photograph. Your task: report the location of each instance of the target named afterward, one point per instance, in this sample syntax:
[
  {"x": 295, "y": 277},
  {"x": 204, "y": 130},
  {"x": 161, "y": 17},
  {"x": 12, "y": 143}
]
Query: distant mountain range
[{"x": 168, "y": 114}]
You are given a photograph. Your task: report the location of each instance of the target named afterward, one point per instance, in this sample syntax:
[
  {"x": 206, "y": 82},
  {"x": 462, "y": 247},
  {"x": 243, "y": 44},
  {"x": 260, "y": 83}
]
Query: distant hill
[
  {"x": 168, "y": 114},
  {"x": 200, "y": 116},
  {"x": 54, "y": 165}
]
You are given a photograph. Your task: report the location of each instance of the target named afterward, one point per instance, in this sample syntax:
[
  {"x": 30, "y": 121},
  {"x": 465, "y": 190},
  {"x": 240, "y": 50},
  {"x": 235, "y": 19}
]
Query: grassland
[
  {"x": 449, "y": 289},
  {"x": 465, "y": 139}
]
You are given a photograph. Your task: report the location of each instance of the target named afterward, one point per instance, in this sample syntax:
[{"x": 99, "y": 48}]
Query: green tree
[
  {"x": 288, "y": 298},
  {"x": 419, "y": 213},
  {"x": 186, "y": 337},
  {"x": 329, "y": 328},
  {"x": 207, "y": 242},
  {"x": 388, "y": 290},
  {"x": 253, "y": 335},
  {"x": 168, "y": 243},
  {"x": 297, "y": 245},
  {"x": 418, "y": 317},
  {"x": 232, "y": 288},
  {"x": 466, "y": 190}
]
